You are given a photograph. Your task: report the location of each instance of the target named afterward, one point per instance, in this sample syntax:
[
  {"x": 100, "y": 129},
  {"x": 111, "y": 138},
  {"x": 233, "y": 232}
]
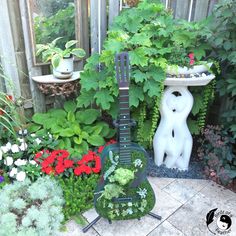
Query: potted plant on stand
[{"x": 61, "y": 59}]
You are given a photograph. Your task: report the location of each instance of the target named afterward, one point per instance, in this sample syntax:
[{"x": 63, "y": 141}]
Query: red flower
[
  {"x": 9, "y": 97},
  {"x": 60, "y": 153},
  {"x": 60, "y": 169},
  {"x": 68, "y": 163},
  {"x": 100, "y": 149},
  {"x": 191, "y": 57},
  {"x": 77, "y": 171},
  {"x": 1, "y": 112},
  {"x": 48, "y": 170}
]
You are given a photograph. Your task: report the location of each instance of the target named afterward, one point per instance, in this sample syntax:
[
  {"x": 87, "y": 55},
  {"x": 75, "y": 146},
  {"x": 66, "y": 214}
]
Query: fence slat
[
  {"x": 211, "y": 6},
  {"x": 7, "y": 50},
  {"x": 103, "y": 20},
  {"x": 113, "y": 10},
  {"x": 94, "y": 25},
  {"x": 37, "y": 97},
  {"x": 182, "y": 9},
  {"x": 201, "y": 9}
]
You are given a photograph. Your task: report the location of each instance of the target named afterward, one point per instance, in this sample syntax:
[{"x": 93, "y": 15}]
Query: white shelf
[
  {"x": 48, "y": 79},
  {"x": 196, "y": 81}
]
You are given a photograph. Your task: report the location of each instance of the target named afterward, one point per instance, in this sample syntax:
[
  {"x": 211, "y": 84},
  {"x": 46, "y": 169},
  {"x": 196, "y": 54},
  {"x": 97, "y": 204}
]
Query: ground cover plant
[
  {"x": 154, "y": 40},
  {"x": 24, "y": 210}
]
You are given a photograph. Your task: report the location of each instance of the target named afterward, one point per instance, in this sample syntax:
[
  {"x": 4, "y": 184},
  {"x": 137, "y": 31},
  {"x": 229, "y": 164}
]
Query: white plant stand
[{"x": 172, "y": 141}]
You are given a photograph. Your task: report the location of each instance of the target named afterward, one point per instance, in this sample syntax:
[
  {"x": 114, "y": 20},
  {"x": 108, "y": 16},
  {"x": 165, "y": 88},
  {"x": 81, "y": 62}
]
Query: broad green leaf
[
  {"x": 78, "y": 140},
  {"x": 96, "y": 140},
  {"x": 141, "y": 39},
  {"x": 139, "y": 76},
  {"x": 70, "y": 106},
  {"x": 88, "y": 116},
  {"x": 151, "y": 87},
  {"x": 85, "y": 98},
  {"x": 33, "y": 128},
  {"x": 56, "y": 60},
  {"x": 138, "y": 57},
  {"x": 61, "y": 144},
  {"x": 59, "y": 113},
  {"x": 78, "y": 52},
  {"x": 68, "y": 132},
  {"x": 193, "y": 126},
  {"x": 114, "y": 45},
  {"x": 135, "y": 95},
  {"x": 71, "y": 116},
  {"x": 89, "y": 80},
  {"x": 67, "y": 143},
  {"x": 70, "y": 43},
  {"x": 104, "y": 99},
  {"x": 105, "y": 128},
  {"x": 82, "y": 148},
  {"x": 39, "y": 118},
  {"x": 197, "y": 104}
]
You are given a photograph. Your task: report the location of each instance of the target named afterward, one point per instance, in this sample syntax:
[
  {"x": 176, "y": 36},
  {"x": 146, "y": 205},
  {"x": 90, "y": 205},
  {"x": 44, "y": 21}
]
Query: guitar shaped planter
[{"x": 123, "y": 191}]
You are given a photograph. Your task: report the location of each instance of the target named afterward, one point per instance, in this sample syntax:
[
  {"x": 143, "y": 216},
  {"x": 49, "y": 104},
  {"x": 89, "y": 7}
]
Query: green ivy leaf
[
  {"x": 152, "y": 87},
  {"x": 114, "y": 46},
  {"x": 139, "y": 76},
  {"x": 85, "y": 98},
  {"x": 141, "y": 39},
  {"x": 138, "y": 57},
  {"x": 96, "y": 140},
  {"x": 135, "y": 95},
  {"x": 89, "y": 80},
  {"x": 104, "y": 99}
]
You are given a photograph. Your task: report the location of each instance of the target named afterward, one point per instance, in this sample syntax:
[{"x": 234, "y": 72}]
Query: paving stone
[
  {"x": 191, "y": 217},
  {"x": 166, "y": 229},
  {"x": 123, "y": 228},
  {"x": 161, "y": 182},
  {"x": 184, "y": 189},
  {"x": 74, "y": 229}
]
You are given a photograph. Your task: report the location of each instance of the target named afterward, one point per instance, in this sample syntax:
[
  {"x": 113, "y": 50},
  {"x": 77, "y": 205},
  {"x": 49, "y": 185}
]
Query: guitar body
[
  {"x": 123, "y": 191},
  {"x": 129, "y": 205}
]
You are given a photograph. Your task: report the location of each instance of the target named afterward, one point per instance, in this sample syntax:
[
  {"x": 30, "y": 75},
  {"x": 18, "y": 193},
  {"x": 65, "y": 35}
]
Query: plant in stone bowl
[
  {"x": 61, "y": 59},
  {"x": 31, "y": 208}
]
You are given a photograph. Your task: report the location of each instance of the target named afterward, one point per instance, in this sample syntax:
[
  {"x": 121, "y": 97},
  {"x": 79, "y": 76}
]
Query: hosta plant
[{"x": 31, "y": 209}]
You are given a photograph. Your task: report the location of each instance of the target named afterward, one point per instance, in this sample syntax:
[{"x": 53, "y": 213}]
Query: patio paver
[{"x": 183, "y": 205}]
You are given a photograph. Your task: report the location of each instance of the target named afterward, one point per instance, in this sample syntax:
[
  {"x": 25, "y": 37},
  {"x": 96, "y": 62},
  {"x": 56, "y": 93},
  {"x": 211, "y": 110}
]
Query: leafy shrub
[
  {"x": 78, "y": 193},
  {"x": 218, "y": 154},
  {"x": 74, "y": 129},
  {"x": 220, "y": 32},
  {"x": 31, "y": 209},
  {"x": 153, "y": 39}
]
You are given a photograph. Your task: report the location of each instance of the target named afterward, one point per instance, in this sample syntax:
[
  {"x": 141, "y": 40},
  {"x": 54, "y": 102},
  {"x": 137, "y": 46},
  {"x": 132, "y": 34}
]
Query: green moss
[{"x": 138, "y": 205}]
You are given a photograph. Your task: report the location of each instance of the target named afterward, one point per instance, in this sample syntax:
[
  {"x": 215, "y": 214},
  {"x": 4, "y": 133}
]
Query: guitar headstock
[{"x": 122, "y": 69}]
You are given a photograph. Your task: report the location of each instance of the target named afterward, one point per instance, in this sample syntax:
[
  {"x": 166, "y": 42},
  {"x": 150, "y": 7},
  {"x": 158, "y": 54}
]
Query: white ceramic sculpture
[{"x": 173, "y": 141}]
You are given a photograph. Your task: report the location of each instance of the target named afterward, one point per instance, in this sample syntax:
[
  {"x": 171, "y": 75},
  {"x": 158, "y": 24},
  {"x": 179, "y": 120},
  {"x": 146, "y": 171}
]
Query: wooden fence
[{"x": 16, "y": 49}]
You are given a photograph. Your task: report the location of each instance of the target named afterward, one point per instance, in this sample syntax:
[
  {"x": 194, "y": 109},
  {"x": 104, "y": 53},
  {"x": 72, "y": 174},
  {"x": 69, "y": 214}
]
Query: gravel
[{"x": 195, "y": 170}]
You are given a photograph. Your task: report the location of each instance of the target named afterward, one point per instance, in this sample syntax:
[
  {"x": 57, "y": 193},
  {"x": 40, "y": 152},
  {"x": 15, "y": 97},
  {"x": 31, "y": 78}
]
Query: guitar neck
[{"x": 124, "y": 127}]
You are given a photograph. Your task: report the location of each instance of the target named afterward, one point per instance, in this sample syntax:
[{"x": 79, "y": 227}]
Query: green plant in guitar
[
  {"x": 122, "y": 176},
  {"x": 75, "y": 129}
]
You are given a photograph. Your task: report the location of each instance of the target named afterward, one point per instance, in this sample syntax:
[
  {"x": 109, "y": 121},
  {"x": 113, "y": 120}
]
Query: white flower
[
  {"x": 6, "y": 148},
  {"x": 8, "y": 161},
  {"x": 38, "y": 141},
  {"x": 33, "y": 135},
  {"x": 32, "y": 162},
  {"x": 0, "y": 154},
  {"x": 20, "y": 132},
  {"x": 15, "y": 148},
  {"x": 21, "y": 176},
  {"x": 20, "y": 162},
  {"x": 23, "y": 146},
  {"x": 21, "y": 140},
  {"x": 13, "y": 172}
]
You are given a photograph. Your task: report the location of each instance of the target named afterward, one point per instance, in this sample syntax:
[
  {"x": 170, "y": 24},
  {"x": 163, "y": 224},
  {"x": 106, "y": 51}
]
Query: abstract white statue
[{"x": 173, "y": 141}]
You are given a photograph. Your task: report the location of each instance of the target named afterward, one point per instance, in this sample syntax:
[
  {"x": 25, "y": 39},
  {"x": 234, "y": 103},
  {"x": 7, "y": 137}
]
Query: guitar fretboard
[{"x": 124, "y": 127}]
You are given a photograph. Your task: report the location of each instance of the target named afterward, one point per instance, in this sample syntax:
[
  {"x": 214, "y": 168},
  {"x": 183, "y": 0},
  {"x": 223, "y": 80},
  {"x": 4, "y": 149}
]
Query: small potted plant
[{"x": 61, "y": 59}]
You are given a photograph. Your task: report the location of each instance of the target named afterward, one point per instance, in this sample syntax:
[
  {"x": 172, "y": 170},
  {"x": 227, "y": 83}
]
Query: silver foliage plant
[{"x": 31, "y": 209}]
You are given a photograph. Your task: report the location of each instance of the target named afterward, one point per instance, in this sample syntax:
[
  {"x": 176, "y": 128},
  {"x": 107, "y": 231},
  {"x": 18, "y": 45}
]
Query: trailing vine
[
  {"x": 208, "y": 95},
  {"x": 142, "y": 117}
]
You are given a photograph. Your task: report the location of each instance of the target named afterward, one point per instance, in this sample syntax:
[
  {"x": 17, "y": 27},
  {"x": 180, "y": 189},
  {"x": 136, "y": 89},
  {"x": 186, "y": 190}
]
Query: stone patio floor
[{"x": 183, "y": 205}]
